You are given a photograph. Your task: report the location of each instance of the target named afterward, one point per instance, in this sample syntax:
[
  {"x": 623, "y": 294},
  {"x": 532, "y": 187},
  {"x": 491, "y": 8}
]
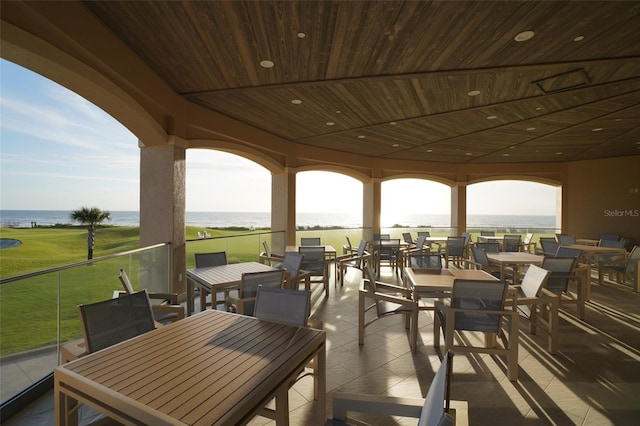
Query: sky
[{"x": 60, "y": 152}]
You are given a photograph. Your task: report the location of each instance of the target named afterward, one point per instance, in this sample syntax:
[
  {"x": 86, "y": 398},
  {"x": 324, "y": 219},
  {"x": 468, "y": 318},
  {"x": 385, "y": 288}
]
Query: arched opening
[{"x": 415, "y": 203}]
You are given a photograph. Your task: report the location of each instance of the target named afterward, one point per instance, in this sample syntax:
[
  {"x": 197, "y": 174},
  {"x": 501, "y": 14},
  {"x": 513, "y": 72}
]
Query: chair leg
[
  {"x": 361, "y": 303},
  {"x": 512, "y": 355}
]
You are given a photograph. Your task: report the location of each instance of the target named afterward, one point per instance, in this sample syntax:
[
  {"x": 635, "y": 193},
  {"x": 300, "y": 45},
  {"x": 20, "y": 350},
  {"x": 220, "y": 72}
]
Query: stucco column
[
  {"x": 283, "y": 209},
  {"x": 162, "y": 204},
  {"x": 371, "y": 205},
  {"x": 459, "y": 207}
]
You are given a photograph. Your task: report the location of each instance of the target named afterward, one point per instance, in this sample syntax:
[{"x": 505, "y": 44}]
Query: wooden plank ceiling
[{"x": 434, "y": 81}]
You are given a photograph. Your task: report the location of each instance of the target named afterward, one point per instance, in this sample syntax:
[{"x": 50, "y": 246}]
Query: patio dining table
[
  {"x": 213, "y": 368},
  {"x": 517, "y": 260},
  {"x": 213, "y": 279}
]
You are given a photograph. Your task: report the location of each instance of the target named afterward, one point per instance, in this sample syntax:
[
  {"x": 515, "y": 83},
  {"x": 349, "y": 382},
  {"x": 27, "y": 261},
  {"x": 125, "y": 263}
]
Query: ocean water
[{"x": 24, "y": 218}]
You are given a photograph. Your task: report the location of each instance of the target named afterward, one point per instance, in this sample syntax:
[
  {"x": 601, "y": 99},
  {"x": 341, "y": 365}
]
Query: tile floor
[{"x": 593, "y": 380}]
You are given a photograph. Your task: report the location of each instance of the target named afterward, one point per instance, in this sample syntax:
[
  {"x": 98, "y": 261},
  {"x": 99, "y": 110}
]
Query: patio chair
[
  {"x": 282, "y": 305},
  {"x": 454, "y": 251},
  {"x": 478, "y": 306},
  {"x": 315, "y": 263},
  {"x": 549, "y": 247},
  {"x": 354, "y": 260},
  {"x": 626, "y": 267},
  {"x": 348, "y": 248},
  {"x": 424, "y": 234},
  {"x": 528, "y": 245},
  {"x": 113, "y": 321},
  {"x": 493, "y": 247},
  {"x": 379, "y": 237},
  {"x": 389, "y": 253},
  {"x": 562, "y": 273},
  {"x": 512, "y": 243},
  {"x": 245, "y": 302},
  {"x": 167, "y": 310},
  {"x": 533, "y": 299},
  {"x": 435, "y": 409},
  {"x": 406, "y": 236},
  {"x": 205, "y": 260},
  {"x": 481, "y": 261},
  {"x": 388, "y": 299},
  {"x": 610, "y": 237},
  {"x": 425, "y": 261},
  {"x": 310, "y": 241},
  {"x": 564, "y": 239},
  {"x": 268, "y": 258},
  {"x": 291, "y": 264}
]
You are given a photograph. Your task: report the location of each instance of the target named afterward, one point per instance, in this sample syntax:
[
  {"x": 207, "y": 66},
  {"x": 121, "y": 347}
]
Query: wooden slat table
[
  {"x": 213, "y": 368},
  {"x": 214, "y": 279},
  {"x": 516, "y": 259}
]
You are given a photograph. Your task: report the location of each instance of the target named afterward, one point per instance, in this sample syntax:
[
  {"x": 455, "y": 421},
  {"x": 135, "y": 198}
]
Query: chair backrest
[
  {"x": 406, "y": 236},
  {"x": 291, "y": 263},
  {"x": 436, "y": 404},
  {"x": 475, "y": 295},
  {"x": 389, "y": 249},
  {"x": 282, "y": 305},
  {"x": 314, "y": 259},
  {"x": 532, "y": 282},
  {"x": 124, "y": 279},
  {"x": 112, "y": 321},
  {"x": 568, "y": 252},
  {"x": 467, "y": 238},
  {"x": 528, "y": 238},
  {"x": 549, "y": 248},
  {"x": 379, "y": 237},
  {"x": 204, "y": 260},
  {"x": 561, "y": 268},
  {"x": 487, "y": 233},
  {"x": 267, "y": 250},
  {"x": 310, "y": 241},
  {"x": 348, "y": 242},
  {"x": 252, "y": 280},
  {"x": 424, "y": 234},
  {"x": 455, "y": 246},
  {"x": 566, "y": 239},
  {"x": 421, "y": 241},
  {"x": 361, "y": 247},
  {"x": 610, "y": 244},
  {"x": 480, "y": 255},
  {"x": 370, "y": 286},
  {"x": 511, "y": 243},
  {"x": 425, "y": 261},
  {"x": 610, "y": 237},
  {"x": 632, "y": 262},
  {"x": 489, "y": 247}
]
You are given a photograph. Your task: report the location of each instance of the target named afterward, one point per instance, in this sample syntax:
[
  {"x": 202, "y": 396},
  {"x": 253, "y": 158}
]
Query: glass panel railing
[
  {"x": 39, "y": 310},
  {"x": 239, "y": 248},
  {"x": 336, "y": 236}
]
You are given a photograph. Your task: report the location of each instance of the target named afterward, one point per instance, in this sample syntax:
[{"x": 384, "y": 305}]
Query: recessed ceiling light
[
  {"x": 558, "y": 153},
  {"x": 296, "y": 101},
  {"x": 474, "y": 93},
  {"x": 505, "y": 155},
  {"x": 338, "y": 112},
  {"x": 530, "y": 129},
  {"x": 429, "y": 150},
  {"x": 361, "y": 136},
  {"x": 393, "y": 123},
  {"x": 330, "y": 123},
  {"x": 512, "y": 147},
  {"x": 538, "y": 108},
  {"x": 301, "y": 35},
  {"x": 266, "y": 64},
  {"x": 579, "y": 38},
  {"x": 468, "y": 153},
  {"x": 492, "y": 117},
  {"x": 395, "y": 145},
  {"x": 597, "y": 129},
  {"x": 618, "y": 119},
  {"x": 524, "y": 36}
]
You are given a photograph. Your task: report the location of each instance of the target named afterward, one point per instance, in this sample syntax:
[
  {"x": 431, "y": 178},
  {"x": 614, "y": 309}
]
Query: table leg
[
  {"x": 190, "y": 307},
  {"x": 321, "y": 372},
  {"x": 65, "y": 407},
  {"x": 282, "y": 405}
]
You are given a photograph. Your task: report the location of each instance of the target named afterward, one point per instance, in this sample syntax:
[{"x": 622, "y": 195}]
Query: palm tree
[{"x": 90, "y": 216}]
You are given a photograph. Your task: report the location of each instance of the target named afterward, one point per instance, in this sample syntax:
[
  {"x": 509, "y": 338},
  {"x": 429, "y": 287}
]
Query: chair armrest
[
  {"x": 169, "y": 309},
  {"x": 390, "y": 298},
  {"x": 393, "y": 288},
  {"x": 171, "y": 298}
]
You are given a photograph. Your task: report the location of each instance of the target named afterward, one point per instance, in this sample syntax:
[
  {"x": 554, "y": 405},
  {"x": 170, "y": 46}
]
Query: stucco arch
[
  {"x": 421, "y": 176},
  {"x": 362, "y": 177},
  {"x": 254, "y": 155},
  {"x": 526, "y": 178},
  {"x": 34, "y": 54}
]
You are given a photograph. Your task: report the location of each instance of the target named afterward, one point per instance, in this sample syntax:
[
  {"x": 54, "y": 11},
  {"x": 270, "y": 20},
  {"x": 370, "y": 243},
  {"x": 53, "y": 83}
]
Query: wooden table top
[
  {"x": 516, "y": 257},
  {"x": 442, "y": 279},
  {"x": 594, "y": 249},
  {"x": 225, "y": 275},
  {"x": 327, "y": 248},
  {"x": 211, "y": 368}
]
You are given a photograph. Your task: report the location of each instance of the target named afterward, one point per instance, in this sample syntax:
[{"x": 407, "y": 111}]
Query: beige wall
[{"x": 603, "y": 196}]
